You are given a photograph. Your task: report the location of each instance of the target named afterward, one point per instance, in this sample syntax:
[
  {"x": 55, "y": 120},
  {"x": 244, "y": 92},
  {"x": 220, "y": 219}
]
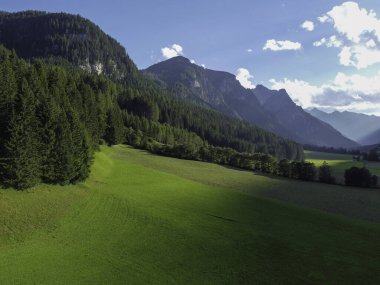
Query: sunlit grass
[{"x": 143, "y": 219}]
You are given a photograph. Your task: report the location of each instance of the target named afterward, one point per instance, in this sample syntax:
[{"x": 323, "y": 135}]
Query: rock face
[{"x": 268, "y": 109}]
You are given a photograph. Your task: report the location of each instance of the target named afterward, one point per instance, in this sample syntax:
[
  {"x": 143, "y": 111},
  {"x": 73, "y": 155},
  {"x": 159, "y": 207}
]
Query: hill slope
[
  {"x": 358, "y": 127},
  {"x": 223, "y": 92},
  {"x": 70, "y": 37},
  {"x": 131, "y": 222}
]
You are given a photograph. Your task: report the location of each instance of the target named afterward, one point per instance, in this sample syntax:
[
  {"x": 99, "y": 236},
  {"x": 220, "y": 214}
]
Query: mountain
[
  {"x": 269, "y": 109},
  {"x": 216, "y": 89},
  {"x": 151, "y": 114},
  {"x": 305, "y": 126},
  {"x": 362, "y": 128},
  {"x": 72, "y": 38},
  {"x": 371, "y": 139}
]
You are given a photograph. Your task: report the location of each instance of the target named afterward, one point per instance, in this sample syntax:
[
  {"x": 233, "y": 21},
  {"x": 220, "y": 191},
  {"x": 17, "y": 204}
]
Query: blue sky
[{"x": 231, "y": 35}]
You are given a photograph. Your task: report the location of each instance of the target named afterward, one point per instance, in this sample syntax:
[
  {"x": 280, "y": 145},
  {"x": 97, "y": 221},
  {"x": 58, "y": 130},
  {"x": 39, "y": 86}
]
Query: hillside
[
  {"x": 52, "y": 121},
  {"x": 149, "y": 112},
  {"x": 132, "y": 221},
  {"x": 223, "y": 92},
  {"x": 70, "y": 37},
  {"x": 358, "y": 127}
]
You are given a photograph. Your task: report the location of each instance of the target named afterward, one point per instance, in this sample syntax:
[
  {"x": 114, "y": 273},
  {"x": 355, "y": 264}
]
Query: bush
[
  {"x": 359, "y": 177},
  {"x": 325, "y": 174}
]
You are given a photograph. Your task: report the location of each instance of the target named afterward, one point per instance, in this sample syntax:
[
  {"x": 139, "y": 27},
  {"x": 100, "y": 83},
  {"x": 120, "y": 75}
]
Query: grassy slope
[{"x": 133, "y": 224}]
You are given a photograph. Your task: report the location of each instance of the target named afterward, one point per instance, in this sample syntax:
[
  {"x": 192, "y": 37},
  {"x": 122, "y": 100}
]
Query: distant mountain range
[
  {"x": 361, "y": 128},
  {"x": 269, "y": 109}
]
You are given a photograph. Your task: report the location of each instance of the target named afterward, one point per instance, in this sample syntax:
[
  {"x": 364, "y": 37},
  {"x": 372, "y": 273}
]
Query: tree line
[{"x": 51, "y": 122}]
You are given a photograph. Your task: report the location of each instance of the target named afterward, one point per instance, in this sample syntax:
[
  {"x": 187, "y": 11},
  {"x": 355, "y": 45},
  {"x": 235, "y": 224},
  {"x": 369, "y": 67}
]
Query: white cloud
[
  {"x": 319, "y": 43},
  {"x": 249, "y": 50},
  {"x": 332, "y": 41},
  {"x": 371, "y": 43},
  {"x": 323, "y": 19},
  {"x": 245, "y": 78},
  {"x": 300, "y": 91},
  {"x": 192, "y": 61},
  {"x": 203, "y": 65},
  {"x": 359, "y": 56},
  {"x": 359, "y": 32},
  {"x": 275, "y": 45},
  {"x": 354, "y": 22},
  {"x": 172, "y": 51},
  {"x": 308, "y": 26},
  {"x": 356, "y": 93}
]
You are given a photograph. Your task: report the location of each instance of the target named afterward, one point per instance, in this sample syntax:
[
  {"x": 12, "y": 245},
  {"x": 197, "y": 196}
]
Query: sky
[{"x": 325, "y": 53}]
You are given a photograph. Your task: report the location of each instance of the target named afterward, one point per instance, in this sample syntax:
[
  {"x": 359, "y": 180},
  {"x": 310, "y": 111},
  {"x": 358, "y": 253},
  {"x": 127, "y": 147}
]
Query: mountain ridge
[
  {"x": 223, "y": 92},
  {"x": 359, "y": 127}
]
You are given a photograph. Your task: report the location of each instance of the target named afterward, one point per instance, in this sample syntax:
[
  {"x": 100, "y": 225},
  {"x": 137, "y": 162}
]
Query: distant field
[
  {"x": 144, "y": 219},
  {"x": 340, "y": 162}
]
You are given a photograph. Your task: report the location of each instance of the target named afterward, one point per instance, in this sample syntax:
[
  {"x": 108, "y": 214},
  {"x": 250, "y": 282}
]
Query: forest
[{"x": 51, "y": 122}]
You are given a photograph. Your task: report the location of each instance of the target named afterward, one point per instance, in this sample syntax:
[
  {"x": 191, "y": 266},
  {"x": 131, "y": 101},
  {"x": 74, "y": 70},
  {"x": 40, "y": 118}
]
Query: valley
[
  {"x": 141, "y": 217},
  {"x": 162, "y": 169}
]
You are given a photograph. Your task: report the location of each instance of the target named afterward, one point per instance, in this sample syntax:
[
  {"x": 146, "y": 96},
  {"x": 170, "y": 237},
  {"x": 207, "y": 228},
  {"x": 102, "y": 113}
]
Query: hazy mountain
[
  {"x": 362, "y": 128},
  {"x": 372, "y": 138},
  {"x": 303, "y": 125},
  {"x": 269, "y": 109}
]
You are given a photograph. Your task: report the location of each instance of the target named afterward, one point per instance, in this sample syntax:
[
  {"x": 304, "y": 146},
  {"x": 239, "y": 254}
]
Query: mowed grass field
[
  {"x": 144, "y": 219},
  {"x": 340, "y": 162}
]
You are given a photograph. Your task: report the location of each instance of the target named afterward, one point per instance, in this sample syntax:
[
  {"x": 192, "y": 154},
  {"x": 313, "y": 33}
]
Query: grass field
[
  {"x": 143, "y": 219},
  {"x": 340, "y": 162}
]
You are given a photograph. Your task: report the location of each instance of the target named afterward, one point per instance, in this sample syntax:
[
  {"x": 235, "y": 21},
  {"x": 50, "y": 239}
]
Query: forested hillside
[
  {"x": 52, "y": 121},
  {"x": 58, "y": 110},
  {"x": 39, "y": 34}
]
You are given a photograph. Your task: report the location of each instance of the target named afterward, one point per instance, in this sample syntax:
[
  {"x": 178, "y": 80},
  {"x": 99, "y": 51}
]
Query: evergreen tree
[
  {"x": 22, "y": 164},
  {"x": 325, "y": 174}
]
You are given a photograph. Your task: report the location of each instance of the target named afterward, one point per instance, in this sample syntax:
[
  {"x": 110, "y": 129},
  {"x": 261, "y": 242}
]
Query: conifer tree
[{"x": 22, "y": 168}]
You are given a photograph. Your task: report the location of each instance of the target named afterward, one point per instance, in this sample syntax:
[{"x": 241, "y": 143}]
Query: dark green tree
[{"x": 325, "y": 174}]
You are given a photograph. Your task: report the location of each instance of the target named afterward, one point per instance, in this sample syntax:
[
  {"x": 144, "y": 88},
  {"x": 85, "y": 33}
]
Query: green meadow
[
  {"x": 340, "y": 162},
  {"x": 145, "y": 219}
]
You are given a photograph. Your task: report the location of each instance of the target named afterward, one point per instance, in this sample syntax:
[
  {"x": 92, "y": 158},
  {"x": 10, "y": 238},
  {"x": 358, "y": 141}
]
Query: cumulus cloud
[
  {"x": 245, "y": 78},
  {"x": 354, "y": 22},
  {"x": 358, "y": 35},
  {"x": 345, "y": 92},
  {"x": 308, "y": 26},
  {"x": 275, "y": 45},
  {"x": 172, "y": 51},
  {"x": 323, "y": 19},
  {"x": 249, "y": 50},
  {"x": 371, "y": 43},
  {"x": 300, "y": 91},
  {"x": 359, "y": 56},
  {"x": 332, "y": 41}
]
